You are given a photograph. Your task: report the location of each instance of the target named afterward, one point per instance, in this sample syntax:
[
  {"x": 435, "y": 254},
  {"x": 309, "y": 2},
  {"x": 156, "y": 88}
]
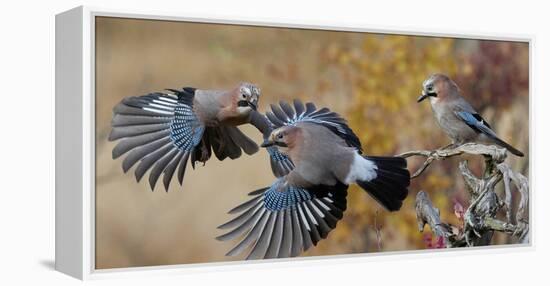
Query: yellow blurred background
[{"x": 373, "y": 80}]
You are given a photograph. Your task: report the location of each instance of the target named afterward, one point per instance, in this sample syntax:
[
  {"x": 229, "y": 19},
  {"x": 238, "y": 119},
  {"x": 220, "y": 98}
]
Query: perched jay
[
  {"x": 303, "y": 206},
  {"x": 162, "y": 131},
  {"x": 456, "y": 116}
]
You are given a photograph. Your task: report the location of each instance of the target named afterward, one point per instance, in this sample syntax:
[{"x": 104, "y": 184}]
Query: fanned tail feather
[{"x": 389, "y": 187}]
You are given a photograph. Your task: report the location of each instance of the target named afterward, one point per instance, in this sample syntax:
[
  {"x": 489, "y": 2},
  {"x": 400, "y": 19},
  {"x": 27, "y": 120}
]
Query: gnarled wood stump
[{"x": 480, "y": 221}]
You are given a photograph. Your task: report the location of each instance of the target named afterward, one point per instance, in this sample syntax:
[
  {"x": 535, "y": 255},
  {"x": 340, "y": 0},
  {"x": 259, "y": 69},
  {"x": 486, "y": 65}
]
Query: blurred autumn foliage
[
  {"x": 371, "y": 79},
  {"x": 386, "y": 73}
]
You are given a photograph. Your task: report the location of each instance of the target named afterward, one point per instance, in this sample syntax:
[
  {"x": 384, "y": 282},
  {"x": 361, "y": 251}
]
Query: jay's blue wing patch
[
  {"x": 280, "y": 163},
  {"x": 285, "y": 114},
  {"x": 477, "y": 123},
  {"x": 290, "y": 197},
  {"x": 186, "y": 130},
  {"x": 284, "y": 220},
  {"x": 158, "y": 130}
]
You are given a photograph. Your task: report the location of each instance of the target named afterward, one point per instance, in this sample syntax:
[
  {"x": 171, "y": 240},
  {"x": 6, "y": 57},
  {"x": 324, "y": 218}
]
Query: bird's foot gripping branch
[{"x": 480, "y": 218}]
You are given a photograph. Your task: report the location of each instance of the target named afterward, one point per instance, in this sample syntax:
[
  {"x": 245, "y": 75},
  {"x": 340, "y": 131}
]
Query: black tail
[
  {"x": 389, "y": 187},
  {"x": 508, "y": 147}
]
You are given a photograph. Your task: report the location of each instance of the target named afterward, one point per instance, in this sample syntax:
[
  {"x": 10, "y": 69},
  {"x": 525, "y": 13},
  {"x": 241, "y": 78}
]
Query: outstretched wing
[
  {"x": 280, "y": 163},
  {"x": 158, "y": 130},
  {"x": 284, "y": 220},
  {"x": 284, "y": 114}
]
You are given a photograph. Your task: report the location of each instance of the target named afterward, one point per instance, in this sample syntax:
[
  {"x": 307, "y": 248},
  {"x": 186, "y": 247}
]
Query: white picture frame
[{"x": 75, "y": 141}]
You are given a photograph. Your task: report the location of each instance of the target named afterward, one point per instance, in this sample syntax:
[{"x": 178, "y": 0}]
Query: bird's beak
[
  {"x": 267, "y": 143},
  {"x": 423, "y": 96},
  {"x": 254, "y": 106}
]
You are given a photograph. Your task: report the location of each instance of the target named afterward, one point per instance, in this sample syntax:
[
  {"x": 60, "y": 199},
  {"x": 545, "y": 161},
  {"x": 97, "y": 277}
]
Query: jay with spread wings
[
  {"x": 162, "y": 131},
  {"x": 304, "y": 204},
  {"x": 314, "y": 156}
]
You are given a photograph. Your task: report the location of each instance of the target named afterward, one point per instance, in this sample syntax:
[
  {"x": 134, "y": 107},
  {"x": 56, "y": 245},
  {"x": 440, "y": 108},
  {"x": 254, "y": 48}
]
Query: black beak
[
  {"x": 254, "y": 106},
  {"x": 422, "y": 97},
  {"x": 267, "y": 143},
  {"x": 426, "y": 95}
]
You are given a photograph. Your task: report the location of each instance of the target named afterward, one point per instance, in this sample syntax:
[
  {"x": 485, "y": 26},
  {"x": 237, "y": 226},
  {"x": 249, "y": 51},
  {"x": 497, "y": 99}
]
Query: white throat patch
[{"x": 244, "y": 109}]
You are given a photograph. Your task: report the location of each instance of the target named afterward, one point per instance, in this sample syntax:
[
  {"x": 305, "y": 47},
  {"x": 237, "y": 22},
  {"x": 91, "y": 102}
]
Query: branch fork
[{"x": 480, "y": 220}]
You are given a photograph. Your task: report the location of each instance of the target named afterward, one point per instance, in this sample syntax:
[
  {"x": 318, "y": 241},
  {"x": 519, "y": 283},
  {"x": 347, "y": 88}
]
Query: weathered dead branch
[
  {"x": 480, "y": 221},
  {"x": 497, "y": 154}
]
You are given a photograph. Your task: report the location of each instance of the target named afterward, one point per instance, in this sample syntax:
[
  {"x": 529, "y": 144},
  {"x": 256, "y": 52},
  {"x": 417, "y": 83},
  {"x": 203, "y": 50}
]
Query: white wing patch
[
  {"x": 158, "y": 111},
  {"x": 361, "y": 170}
]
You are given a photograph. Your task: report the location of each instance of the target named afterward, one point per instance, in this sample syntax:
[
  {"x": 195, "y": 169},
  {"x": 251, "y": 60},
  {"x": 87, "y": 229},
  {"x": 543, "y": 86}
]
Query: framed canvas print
[{"x": 209, "y": 142}]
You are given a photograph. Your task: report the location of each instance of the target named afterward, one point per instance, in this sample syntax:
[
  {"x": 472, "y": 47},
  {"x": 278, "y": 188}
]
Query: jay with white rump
[
  {"x": 301, "y": 207},
  {"x": 456, "y": 116}
]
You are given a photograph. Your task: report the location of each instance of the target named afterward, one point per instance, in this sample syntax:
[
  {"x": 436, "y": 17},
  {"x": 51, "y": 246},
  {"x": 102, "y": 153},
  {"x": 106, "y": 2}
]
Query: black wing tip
[
  {"x": 137, "y": 177},
  {"x": 514, "y": 151},
  {"x": 509, "y": 147},
  {"x": 111, "y": 136},
  {"x": 166, "y": 186},
  {"x": 222, "y": 226},
  {"x": 152, "y": 184},
  {"x": 518, "y": 153},
  {"x": 258, "y": 191},
  {"x": 175, "y": 91},
  {"x": 190, "y": 90},
  {"x": 328, "y": 118},
  {"x": 220, "y": 237},
  {"x": 186, "y": 94},
  {"x": 115, "y": 154}
]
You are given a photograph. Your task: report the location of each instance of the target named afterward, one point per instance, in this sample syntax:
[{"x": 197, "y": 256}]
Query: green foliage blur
[{"x": 373, "y": 80}]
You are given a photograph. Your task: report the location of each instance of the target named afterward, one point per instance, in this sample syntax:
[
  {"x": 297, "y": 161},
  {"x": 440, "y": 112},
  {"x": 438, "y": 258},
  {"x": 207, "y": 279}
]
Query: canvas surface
[{"x": 372, "y": 80}]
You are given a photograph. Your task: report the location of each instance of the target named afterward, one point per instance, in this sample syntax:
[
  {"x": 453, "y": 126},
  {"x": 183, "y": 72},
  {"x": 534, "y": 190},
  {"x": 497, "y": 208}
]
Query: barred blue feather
[
  {"x": 276, "y": 200},
  {"x": 158, "y": 130},
  {"x": 284, "y": 220},
  {"x": 476, "y": 122},
  {"x": 280, "y": 163},
  {"x": 161, "y": 133},
  {"x": 186, "y": 130},
  {"x": 276, "y": 155}
]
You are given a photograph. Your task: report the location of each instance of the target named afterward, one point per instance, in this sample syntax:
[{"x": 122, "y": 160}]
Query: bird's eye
[
  {"x": 243, "y": 96},
  {"x": 280, "y": 136}
]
